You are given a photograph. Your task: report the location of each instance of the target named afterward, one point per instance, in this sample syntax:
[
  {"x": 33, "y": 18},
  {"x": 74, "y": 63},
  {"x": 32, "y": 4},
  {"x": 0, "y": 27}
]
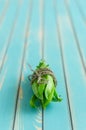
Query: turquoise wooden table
[{"x": 56, "y": 31}]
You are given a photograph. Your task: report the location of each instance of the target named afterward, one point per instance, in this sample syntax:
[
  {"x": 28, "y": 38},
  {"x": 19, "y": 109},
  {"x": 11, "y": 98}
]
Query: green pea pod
[
  {"x": 33, "y": 101},
  {"x": 35, "y": 89}
]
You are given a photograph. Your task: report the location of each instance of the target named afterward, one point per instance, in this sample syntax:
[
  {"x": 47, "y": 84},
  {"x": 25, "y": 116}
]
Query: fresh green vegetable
[{"x": 43, "y": 84}]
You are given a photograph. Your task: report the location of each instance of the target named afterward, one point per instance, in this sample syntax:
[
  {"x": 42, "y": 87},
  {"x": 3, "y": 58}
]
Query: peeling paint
[
  {"x": 21, "y": 93},
  {"x": 22, "y": 77},
  {"x": 25, "y": 67},
  {"x": 68, "y": 2},
  {"x": 38, "y": 120},
  {"x": 27, "y": 36},
  {"x": 39, "y": 117},
  {"x": 2, "y": 79},
  {"x": 38, "y": 128},
  {"x": 3, "y": 62}
]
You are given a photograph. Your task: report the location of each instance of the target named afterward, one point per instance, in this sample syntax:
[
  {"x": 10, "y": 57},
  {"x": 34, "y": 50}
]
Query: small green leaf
[
  {"x": 41, "y": 88},
  {"x": 45, "y": 103},
  {"x": 38, "y": 90},
  {"x": 33, "y": 101},
  {"x": 34, "y": 88},
  {"x": 42, "y": 64},
  {"x": 49, "y": 90},
  {"x": 56, "y": 98}
]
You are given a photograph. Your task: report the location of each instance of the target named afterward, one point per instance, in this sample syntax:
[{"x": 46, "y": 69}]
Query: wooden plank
[
  {"x": 26, "y": 116},
  {"x": 56, "y": 115},
  {"x": 5, "y": 30},
  {"x": 81, "y": 7},
  {"x": 77, "y": 30},
  {"x": 9, "y": 86},
  {"x": 52, "y": 35},
  {"x": 2, "y": 21},
  {"x": 4, "y": 11},
  {"x": 74, "y": 70},
  {"x": 2, "y": 5},
  {"x": 4, "y": 47}
]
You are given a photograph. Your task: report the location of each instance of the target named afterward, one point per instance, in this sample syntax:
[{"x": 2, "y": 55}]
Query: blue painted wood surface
[{"x": 56, "y": 31}]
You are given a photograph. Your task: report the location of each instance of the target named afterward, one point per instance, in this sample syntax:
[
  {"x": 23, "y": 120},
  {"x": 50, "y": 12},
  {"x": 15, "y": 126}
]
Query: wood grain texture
[
  {"x": 27, "y": 117},
  {"x": 52, "y": 43},
  {"x": 6, "y": 45},
  {"x": 53, "y": 30},
  {"x": 14, "y": 54}
]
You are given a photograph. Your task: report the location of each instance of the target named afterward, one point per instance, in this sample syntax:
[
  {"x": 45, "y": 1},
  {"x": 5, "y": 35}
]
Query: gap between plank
[
  {"x": 22, "y": 63},
  {"x": 42, "y": 47},
  {"x": 63, "y": 66}
]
